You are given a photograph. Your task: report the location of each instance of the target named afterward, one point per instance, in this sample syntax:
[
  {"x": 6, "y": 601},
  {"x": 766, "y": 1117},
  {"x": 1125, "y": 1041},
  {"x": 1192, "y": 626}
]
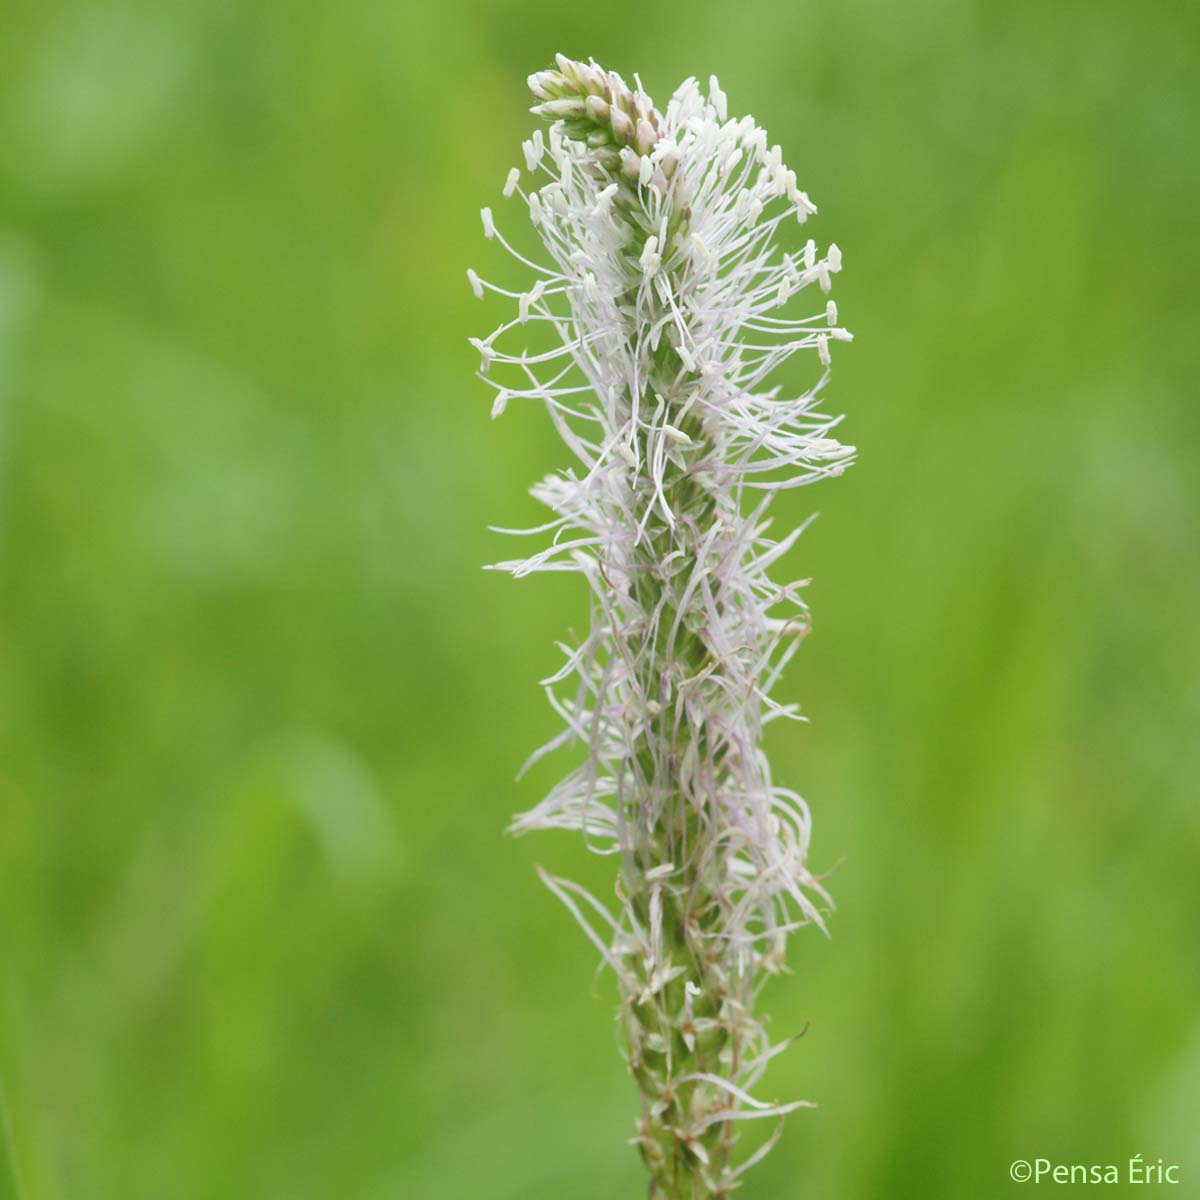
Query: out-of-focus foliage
[{"x": 260, "y": 710}]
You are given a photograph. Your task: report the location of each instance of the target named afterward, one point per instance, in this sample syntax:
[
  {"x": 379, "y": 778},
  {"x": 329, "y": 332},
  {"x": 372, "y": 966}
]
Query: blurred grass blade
[{"x": 10, "y": 1174}]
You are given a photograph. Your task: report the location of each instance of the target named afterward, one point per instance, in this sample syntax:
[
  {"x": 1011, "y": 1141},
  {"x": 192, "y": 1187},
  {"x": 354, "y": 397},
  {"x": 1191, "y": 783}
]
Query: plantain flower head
[{"x": 676, "y": 283}]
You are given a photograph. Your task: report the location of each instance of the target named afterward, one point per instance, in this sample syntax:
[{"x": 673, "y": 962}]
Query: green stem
[{"x": 665, "y": 1043}]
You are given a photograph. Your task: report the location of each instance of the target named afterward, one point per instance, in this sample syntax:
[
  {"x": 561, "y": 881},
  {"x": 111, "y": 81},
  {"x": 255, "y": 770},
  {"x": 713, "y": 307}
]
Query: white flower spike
[{"x": 669, "y": 298}]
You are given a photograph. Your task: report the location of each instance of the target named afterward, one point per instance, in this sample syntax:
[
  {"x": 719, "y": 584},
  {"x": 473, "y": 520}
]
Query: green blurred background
[{"x": 260, "y": 711}]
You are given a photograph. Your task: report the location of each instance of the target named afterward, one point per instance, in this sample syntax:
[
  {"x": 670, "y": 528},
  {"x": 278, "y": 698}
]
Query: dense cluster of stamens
[{"x": 668, "y": 297}]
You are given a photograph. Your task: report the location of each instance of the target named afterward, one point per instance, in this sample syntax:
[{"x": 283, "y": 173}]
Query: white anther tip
[{"x": 677, "y": 435}]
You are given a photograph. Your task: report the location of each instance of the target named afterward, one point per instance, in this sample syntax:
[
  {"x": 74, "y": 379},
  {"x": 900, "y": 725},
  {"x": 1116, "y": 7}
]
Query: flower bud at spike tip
[
  {"x": 622, "y": 126},
  {"x": 662, "y": 261}
]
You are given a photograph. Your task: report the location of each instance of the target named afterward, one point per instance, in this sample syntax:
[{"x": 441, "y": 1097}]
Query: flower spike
[{"x": 671, "y": 301}]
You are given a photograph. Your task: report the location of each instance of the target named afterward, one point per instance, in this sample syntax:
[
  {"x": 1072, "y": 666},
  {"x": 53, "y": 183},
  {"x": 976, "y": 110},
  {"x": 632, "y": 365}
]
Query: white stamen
[
  {"x": 717, "y": 99},
  {"x": 650, "y": 259}
]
